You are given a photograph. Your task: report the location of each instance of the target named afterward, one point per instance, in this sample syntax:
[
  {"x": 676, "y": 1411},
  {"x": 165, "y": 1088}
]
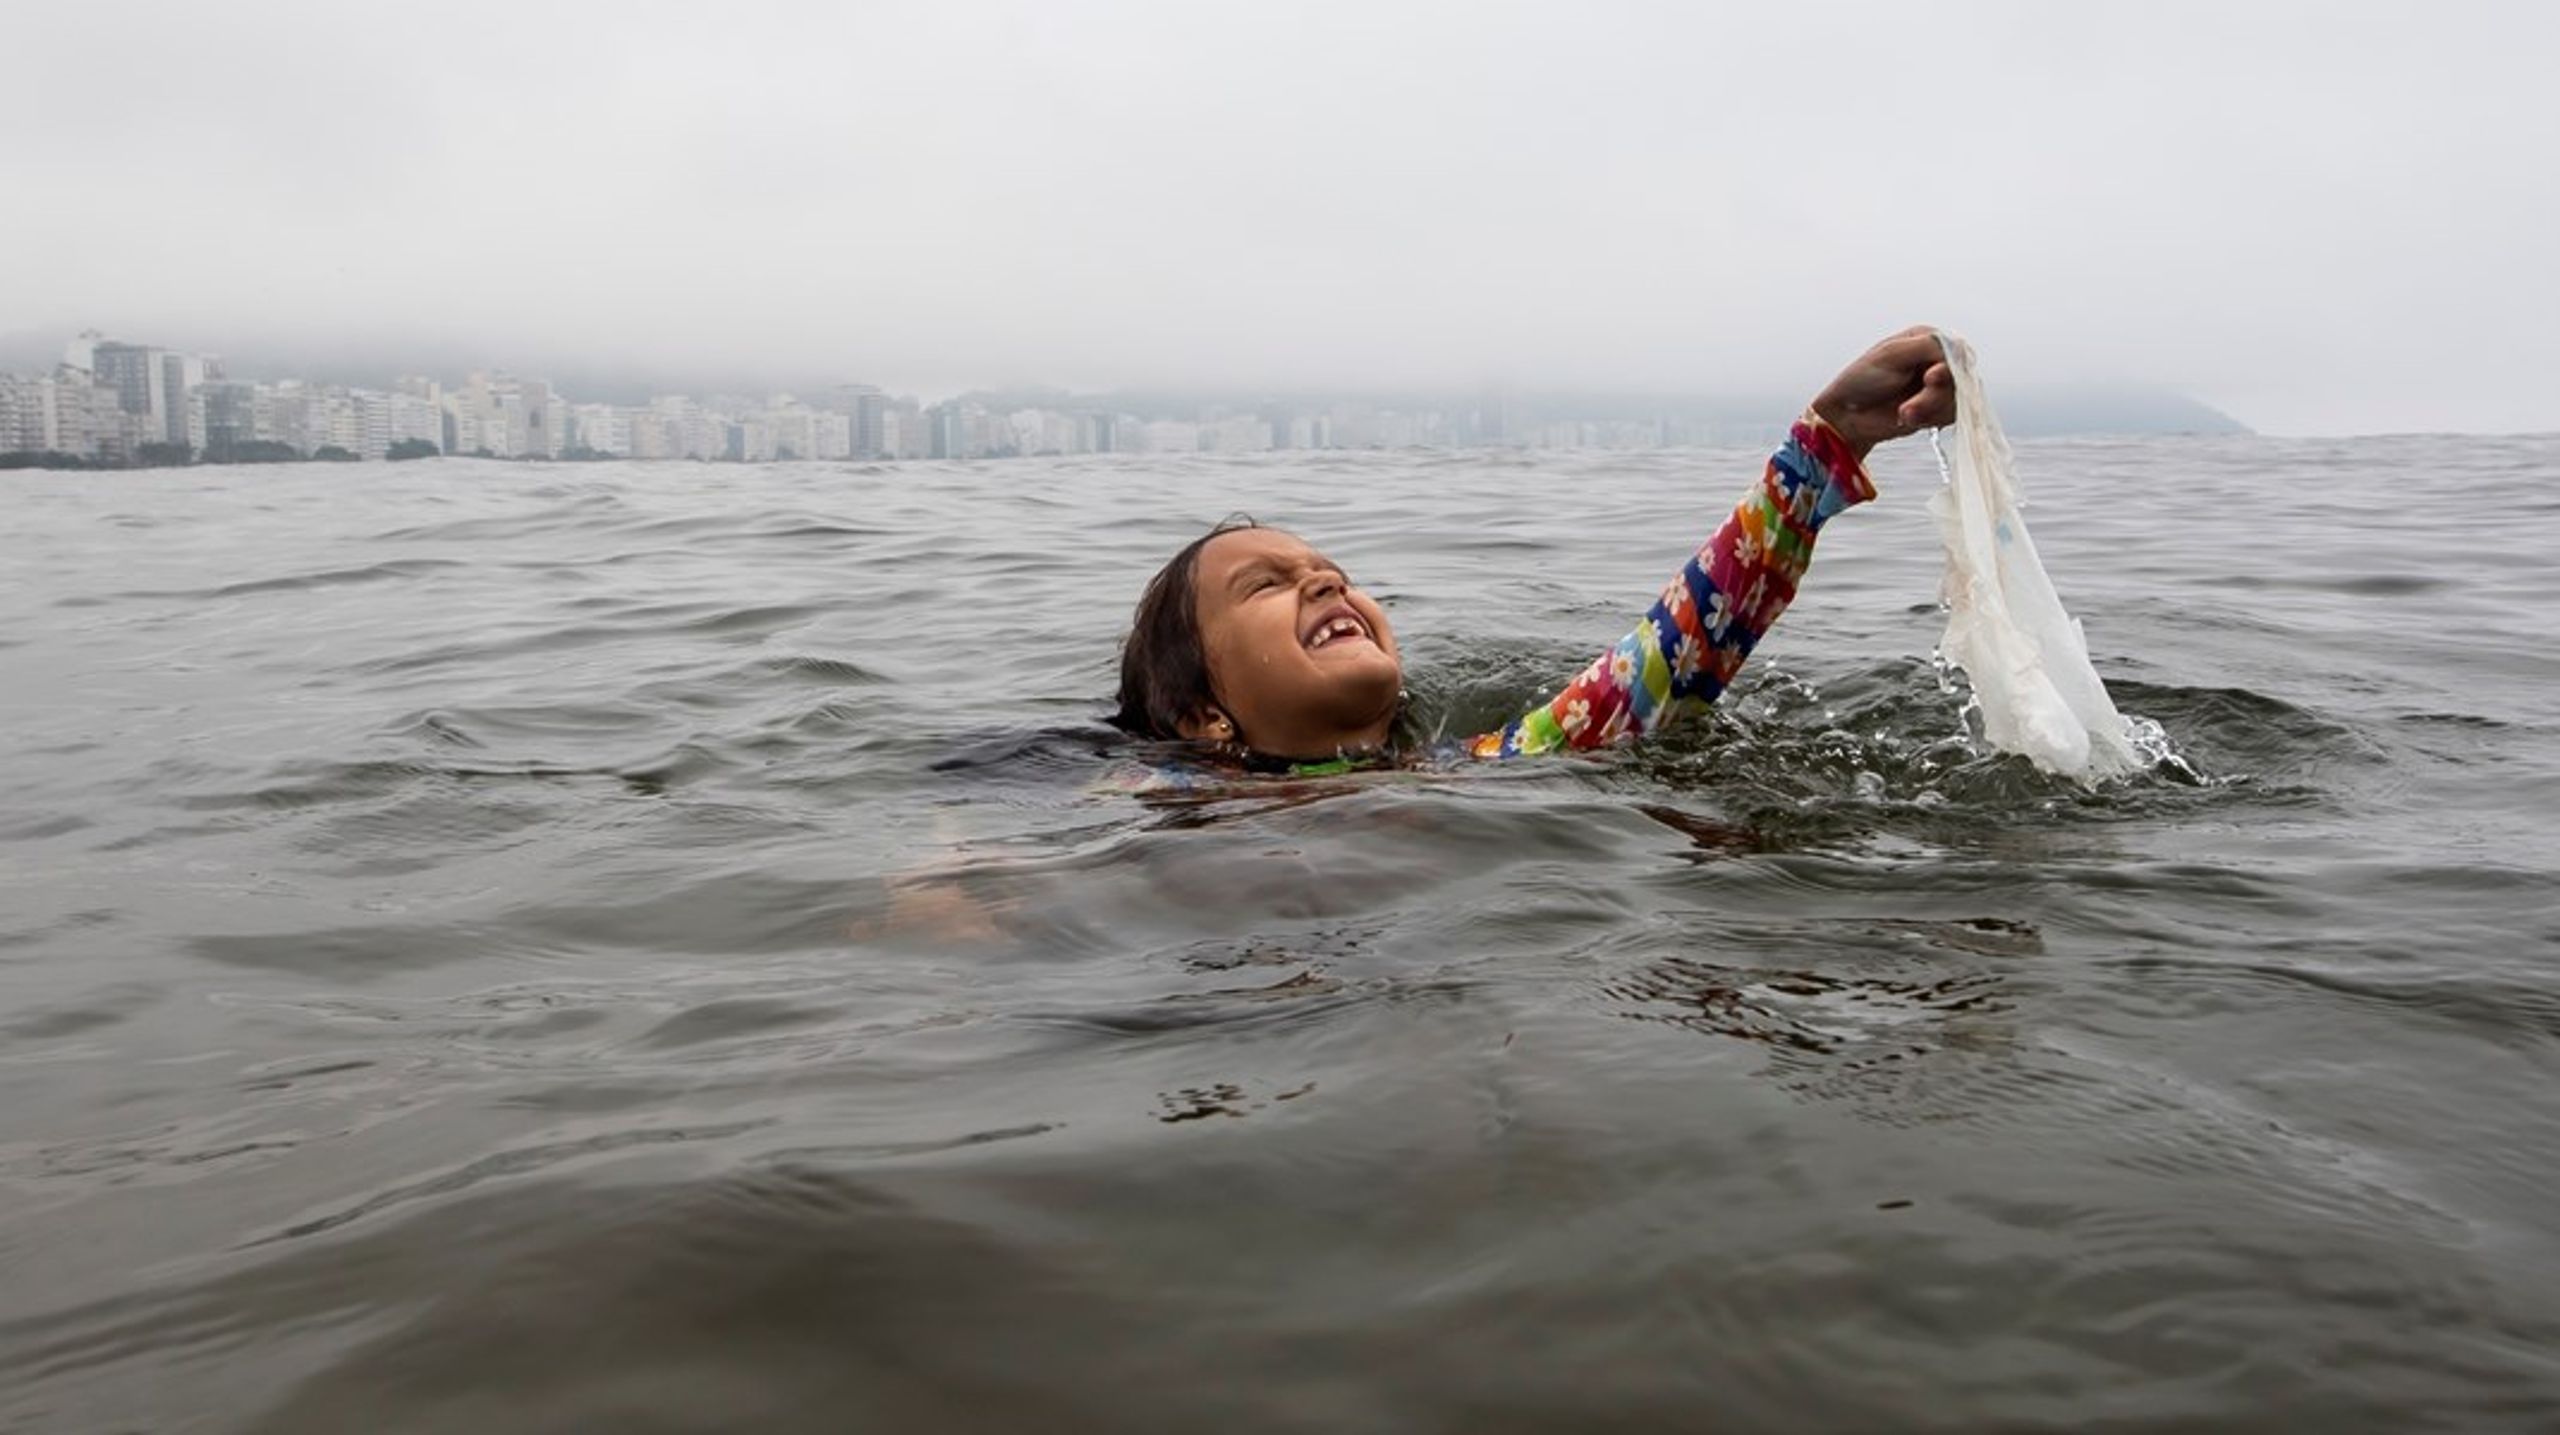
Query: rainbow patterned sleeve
[{"x": 1697, "y": 634}]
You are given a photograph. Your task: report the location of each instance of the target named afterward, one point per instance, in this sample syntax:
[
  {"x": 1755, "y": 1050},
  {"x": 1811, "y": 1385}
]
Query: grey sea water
[{"x": 491, "y": 947}]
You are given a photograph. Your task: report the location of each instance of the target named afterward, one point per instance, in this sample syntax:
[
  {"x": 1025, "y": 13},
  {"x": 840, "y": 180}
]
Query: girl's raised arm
[{"x": 1698, "y": 633}]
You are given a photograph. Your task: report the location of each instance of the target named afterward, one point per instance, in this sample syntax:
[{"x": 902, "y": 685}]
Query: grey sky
[{"x": 2324, "y": 218}]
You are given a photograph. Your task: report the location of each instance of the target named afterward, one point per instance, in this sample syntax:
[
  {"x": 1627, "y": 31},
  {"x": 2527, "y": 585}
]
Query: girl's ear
[{"x": 1209, "y": 725}]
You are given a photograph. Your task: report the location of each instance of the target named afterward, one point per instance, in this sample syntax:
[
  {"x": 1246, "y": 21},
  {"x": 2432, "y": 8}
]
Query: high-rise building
[
  {"x": 372, "y": 428},
  {"x": 833, "y": 434},
  {"x": 648, "y": 435},
  {"x": 1235, "y": 433},
  {"x": 903, "y": 431},
  {"x": 294, "y": 414},
  {"x": 690, "y": 431},
  {"x": 866, "y": 409},
  {"x": 1173, "y": 436},
  {"x": 139, "y": 378},
  {"x": 600, "y": 428},
  {"x": 180, "y": 374},
  {"x": 230, "y": 418},
  {"x": 416, "y": 419},
  {"x": 947, "y": 434},
  {"x": 26, "y": 415},
  {"x": 508, "y": 417},
  {"x": 153, "y": 387},
  {"x": 546, "y": 420},
  {"x": 84, "y": 414}
]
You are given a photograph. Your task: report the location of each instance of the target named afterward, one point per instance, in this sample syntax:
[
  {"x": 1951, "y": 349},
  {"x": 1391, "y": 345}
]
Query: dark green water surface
[{"x": 632, "y": 947}]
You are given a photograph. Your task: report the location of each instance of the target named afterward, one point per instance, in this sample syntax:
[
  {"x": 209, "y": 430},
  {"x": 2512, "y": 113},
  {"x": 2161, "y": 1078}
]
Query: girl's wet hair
[{"x": 1164, "y": 667}]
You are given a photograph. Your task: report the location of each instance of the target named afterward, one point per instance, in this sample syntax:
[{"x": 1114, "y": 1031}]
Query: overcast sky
[{"x": 2322, "y": 218}]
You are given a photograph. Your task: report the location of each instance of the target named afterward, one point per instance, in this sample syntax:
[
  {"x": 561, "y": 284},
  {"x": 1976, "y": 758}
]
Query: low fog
[{"x": 2333, "y": 218}]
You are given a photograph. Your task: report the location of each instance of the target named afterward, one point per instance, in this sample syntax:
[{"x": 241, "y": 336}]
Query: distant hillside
[{"x": 2053, "y": 413}]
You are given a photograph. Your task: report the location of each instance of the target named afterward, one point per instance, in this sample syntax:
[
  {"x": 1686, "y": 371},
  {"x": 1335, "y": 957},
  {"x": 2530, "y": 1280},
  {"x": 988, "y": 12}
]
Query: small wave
[
  {"x": 106, "y": 1007},
  {"x": 644, "y": 624},
  {"x": 2467, "y": 720},
  {"x": 732, "y": 1019},
  {"x": 484, "y": 727},
  {"x": 352, "y": 954},
  {"x": 1809, "y": 1011},
  {"x": 806, "y": 669},
  {"x": 37, "y": 826},
  {"x": 323, "y": 784},
  {"x": 506, "y": 1164},
  {"x": 2366, "y": 585},
  {"x": 813, "y": 528},
  {"x": 2240, "y": 731},
  {"x": 1034, "y": 755},
  {"x": 581, "y": 511},
  {"x": 290, "y": 583}
]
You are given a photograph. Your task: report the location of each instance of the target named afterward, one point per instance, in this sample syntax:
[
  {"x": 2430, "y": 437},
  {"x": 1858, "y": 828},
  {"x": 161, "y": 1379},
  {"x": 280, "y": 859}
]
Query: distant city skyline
[{"x": 112, "y": 402}]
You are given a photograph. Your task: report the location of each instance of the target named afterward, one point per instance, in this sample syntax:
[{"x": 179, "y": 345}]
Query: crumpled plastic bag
[{"x": 2027, "y": 659}]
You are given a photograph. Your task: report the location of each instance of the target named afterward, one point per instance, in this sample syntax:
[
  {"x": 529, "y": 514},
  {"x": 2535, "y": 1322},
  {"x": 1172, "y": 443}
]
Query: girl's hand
[{"x": 1899, "y": 387}]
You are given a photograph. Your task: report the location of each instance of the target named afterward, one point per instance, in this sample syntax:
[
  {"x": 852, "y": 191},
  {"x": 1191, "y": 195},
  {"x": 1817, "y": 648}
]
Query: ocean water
[{"x": 493, "y": 947}]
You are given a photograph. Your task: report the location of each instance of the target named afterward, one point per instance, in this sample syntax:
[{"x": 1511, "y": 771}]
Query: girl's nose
[{"x": 1322, "y": 584}]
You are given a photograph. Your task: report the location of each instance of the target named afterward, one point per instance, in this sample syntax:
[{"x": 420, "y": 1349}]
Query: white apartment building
[
  {"x": 647, "y": 432},
  {"x": 1237, "y": 433},
  {"x": 26, "y": 414},
  {"x": 1169, "y": 436},
  {"x": 791, "y": 432},
  {"x": 693, "y": 431},
  {"x": 415, "y": 418},
  {"x": 601, "y": 428},
  {"x": 833, "y": 435},
  {"x": 52, "y": 413}
]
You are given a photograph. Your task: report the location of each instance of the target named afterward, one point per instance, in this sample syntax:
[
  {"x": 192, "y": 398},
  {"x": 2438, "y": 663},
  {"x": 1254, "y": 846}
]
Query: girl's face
[{"x": 1304, "y": 664}]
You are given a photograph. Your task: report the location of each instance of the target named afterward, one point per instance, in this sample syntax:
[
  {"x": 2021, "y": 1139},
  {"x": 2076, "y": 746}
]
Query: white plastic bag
[{"x": 2026, "y": 657}]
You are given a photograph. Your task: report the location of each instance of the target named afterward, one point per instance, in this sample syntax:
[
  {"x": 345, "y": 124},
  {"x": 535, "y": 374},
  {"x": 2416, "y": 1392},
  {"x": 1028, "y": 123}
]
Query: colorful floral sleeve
[{"x": 1697, "y": 634}]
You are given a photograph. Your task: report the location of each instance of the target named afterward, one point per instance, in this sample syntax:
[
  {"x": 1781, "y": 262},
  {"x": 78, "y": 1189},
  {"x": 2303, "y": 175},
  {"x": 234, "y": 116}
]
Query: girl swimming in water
[{"x": 1252, "y": 641}]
